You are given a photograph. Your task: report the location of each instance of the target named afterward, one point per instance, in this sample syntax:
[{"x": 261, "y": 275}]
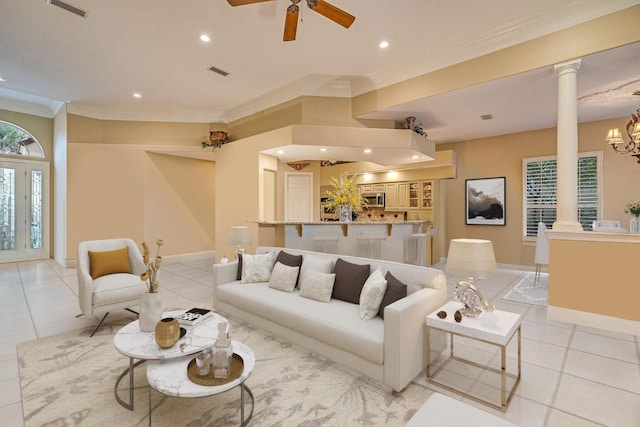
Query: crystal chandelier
[{"x": 614, "y": 137}]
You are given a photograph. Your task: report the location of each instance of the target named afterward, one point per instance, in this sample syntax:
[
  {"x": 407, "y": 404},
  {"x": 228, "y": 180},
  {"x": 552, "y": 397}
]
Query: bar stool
[
  {"x": 370, "y": 237},
  {"x": 414, "y": 248},
  {"x": 324, "y": 237}
]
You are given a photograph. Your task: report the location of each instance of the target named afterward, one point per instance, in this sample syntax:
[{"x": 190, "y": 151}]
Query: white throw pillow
[
  {"x": 317, "y": 286},
  {"x": 372, "y": 294},
  {"x": 257, "y": 268},
  {"x": 310, "y": 262},
  {"x": 283, "y": 277}
]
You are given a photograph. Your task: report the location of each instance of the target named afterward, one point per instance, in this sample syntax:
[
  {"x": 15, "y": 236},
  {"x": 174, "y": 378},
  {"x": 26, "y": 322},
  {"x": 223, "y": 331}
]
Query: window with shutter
[{"x": 540, "y": 191}]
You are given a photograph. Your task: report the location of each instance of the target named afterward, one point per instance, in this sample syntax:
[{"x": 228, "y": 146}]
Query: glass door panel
[{"x": 24, "y": 210}]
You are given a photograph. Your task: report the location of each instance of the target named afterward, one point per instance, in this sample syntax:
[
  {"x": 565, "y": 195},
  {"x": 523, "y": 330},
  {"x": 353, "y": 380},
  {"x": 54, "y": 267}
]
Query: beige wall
[
  {"x": 117, "y": 187},
  {"x": 506, "y": 153}
]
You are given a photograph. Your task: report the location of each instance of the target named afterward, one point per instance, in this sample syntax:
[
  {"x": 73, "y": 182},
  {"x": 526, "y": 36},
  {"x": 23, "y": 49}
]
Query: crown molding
[{"x": 28, "y": 104}]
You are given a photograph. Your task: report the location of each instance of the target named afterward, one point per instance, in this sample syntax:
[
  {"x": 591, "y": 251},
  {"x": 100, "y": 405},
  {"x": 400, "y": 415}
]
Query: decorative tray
[{"x": 237, "y": 366}]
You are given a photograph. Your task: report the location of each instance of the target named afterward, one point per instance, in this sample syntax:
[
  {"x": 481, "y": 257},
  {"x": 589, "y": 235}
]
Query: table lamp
[
  {"x": 239, "y": 235},
  {"x": 471, "y": 257}
]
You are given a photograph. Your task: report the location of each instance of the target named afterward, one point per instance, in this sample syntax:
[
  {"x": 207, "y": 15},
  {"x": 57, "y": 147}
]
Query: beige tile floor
[{"x": 571, "y": 375}]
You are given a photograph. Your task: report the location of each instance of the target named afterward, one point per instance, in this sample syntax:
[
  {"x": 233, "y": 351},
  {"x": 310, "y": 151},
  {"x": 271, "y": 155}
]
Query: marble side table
[
  {"x": 169, "y": 377},
  {"x": 502, "y": 330},
  {"x": 130, "y": 341}
]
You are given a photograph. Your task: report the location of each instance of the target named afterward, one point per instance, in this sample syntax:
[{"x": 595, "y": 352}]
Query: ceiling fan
[{"x": 325, "y": 9}]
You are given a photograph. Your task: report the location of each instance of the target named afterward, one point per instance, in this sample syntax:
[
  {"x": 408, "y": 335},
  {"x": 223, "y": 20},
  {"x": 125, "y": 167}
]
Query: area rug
[
  {"x": 68, "y": 380},
  {"x": 528, "y": 293}
]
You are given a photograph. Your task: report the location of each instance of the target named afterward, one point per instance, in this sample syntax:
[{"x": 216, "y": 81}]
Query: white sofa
[{"x": 391, "y": 351}]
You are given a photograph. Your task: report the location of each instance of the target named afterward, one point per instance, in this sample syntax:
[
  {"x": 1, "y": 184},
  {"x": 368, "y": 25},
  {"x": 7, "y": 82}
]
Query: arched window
[{"x": 16, "y": 141}]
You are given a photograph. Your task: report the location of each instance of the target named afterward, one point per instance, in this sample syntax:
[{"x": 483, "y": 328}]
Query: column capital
[{"x": 567, "y": 66}]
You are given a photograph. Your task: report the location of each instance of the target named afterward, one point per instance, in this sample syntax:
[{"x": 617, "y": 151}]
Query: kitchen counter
[{"x": 300, "y": 235}]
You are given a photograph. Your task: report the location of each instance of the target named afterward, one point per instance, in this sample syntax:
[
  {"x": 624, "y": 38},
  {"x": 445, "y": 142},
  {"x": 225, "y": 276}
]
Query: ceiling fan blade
[
  {"x": 243, "y": 2},
  {"x": 291, "y": 23},
  {"x": 328, "y": 10}
]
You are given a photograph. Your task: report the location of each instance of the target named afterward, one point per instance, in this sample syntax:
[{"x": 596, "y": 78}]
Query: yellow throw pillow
[{"x": 109, "y": 262}]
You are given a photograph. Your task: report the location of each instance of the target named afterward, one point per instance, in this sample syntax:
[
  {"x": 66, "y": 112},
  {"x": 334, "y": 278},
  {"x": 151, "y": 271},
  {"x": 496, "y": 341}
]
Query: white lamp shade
[
  {"x": 239, "y": 235},
  {"x": 471, "y": 257}
]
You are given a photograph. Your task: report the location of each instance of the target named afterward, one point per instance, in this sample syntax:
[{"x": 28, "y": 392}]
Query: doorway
[
  {"x": 298, "y": 196},
  {"x": 24, "y": 210}
]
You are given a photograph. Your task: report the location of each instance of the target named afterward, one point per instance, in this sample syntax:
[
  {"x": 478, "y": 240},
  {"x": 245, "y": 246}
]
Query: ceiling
[{"x": 49, "y": 56}]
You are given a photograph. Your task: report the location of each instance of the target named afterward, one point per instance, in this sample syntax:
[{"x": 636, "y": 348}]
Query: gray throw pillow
[{"x": 350, "y": 279}]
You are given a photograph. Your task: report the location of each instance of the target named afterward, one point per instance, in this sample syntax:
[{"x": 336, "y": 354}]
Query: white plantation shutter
[{"x": 540, "y": 191}]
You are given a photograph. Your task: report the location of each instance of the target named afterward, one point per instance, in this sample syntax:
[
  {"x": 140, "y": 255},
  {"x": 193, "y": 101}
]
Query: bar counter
[{"x": 300, "y": 235}]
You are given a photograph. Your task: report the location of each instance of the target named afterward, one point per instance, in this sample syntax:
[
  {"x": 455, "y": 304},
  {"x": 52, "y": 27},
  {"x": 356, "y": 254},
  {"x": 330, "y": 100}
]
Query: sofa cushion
[
  {"x": 317, "y": 286},
  {"x": 350, "y": 279},
  {"x": 371, "y": 295},
  {"x": 395, "y": 290},
  {"x": 109, "y": 262},
  {"x": 115, "y": 288},
  {"x": 257, "y": 268},
  {"x": 336, "y": 323},
  {"x": 283, "y": 277},
  {"x": 291, "y": 261}
]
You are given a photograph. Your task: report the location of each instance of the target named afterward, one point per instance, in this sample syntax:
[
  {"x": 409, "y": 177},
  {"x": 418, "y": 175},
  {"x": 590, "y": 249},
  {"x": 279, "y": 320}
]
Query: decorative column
[{"x": 567, "y": 147}]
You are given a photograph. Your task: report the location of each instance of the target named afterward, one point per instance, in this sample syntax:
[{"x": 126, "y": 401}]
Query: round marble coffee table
[
  {"x": 130, "y": 341},
  {"x": 170, "y": 377}
]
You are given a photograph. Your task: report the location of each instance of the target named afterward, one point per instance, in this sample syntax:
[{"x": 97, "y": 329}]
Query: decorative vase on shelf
[
  {"x": 150, "y": 311},
  {"x": 345, "y": 213},
  {"x": 411, "y": 122},
  {"x": 167, "y": 332},
  {"x": 634, "y": 225}
]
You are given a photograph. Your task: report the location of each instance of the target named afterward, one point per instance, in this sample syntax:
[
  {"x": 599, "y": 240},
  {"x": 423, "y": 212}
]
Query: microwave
[{"x": 374, "y": 200}]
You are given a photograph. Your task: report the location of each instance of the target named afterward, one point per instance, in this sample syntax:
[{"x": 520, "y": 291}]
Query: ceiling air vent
[
  {"x": 487, "y": 117},
  {"x": 69, "y": 8},
  {"x": 218, "y": 70}
]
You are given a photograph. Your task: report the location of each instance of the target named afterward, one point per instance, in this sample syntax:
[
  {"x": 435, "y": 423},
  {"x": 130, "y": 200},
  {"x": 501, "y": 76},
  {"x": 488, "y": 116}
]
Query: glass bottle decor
[
  {"x": 222, "y": 353},
  {"x": 634, "y": 225}
]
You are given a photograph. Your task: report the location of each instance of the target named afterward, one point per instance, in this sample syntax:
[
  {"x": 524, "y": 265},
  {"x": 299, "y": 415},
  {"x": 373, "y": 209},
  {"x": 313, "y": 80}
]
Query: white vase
[
  {"x": 634, "y": 225},
  {"x": 150, "y": 311},
  {"x": 345, "y": 213}
]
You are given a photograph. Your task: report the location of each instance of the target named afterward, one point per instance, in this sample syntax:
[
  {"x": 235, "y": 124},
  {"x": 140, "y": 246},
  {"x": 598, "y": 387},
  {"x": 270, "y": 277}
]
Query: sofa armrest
[
  {"x": 223, "y": 273},
  {"x": 404, "y": 334}
]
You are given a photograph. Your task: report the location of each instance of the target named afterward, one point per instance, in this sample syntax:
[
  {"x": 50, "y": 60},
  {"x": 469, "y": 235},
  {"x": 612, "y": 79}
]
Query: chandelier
[{"x": 614, "y": 137}]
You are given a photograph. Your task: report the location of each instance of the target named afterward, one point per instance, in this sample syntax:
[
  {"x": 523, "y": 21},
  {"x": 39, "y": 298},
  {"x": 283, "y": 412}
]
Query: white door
[
  {"x": 24, "y": 210},
  {"x": 298, "y": 196}
]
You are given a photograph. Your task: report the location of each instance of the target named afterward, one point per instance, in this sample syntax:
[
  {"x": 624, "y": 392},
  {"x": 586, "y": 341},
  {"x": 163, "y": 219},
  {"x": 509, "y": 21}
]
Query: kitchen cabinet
[
  {"x": 378, "y": 188},
  {"x": 367, "y": 188},
  {"x": 421, "y": 194},
  {"x": 391, "y": 196},
  {"x": 403, "y": 195}
]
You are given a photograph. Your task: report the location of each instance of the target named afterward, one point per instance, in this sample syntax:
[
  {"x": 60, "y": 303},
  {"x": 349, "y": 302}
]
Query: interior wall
[
  {"x": 506, "y": 153},
  {"x": 118, "y": 188},
  {"x": 59, "y": 195}
]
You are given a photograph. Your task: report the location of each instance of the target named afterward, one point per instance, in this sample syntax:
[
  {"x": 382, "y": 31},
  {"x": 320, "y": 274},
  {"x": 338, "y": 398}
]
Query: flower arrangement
[
  {"x": 153, "y": 266},
  {"x": 633, "y": 208},
  {"x": 343, "y": 192}
]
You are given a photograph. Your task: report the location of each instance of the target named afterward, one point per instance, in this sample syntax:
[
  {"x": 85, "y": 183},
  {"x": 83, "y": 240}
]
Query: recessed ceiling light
[
  {"x": 2, "y": 80},
  {"x": 280, "y": 151},
  {"x": 415, "y": 156},
  {"x": 137, "y": 95},
  {"x": 367, "y": 150},
  {"x": 323, "y": 150},
  {"x": 384, "y": 44},
  {"x": 204, "y": 37}
]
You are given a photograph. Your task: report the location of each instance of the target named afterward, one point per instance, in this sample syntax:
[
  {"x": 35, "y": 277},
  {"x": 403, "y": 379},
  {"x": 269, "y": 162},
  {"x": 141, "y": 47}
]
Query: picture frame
[{"x": 485, "y": 201}]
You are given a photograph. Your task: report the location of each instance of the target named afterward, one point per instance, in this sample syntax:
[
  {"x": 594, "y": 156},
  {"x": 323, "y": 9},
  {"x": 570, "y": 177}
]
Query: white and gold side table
[
  {"x": 170, "y": 378},
  {"x": 500, "y": 334}
]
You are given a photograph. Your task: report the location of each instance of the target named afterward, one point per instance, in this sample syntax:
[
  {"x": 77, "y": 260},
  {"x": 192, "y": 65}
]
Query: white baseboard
[
  {"x": 169, "y": 259},
  {"x": 593, "y": 320}
]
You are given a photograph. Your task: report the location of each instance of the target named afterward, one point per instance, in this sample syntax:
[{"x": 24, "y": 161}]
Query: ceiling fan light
[{"x": 614, "y": 136}]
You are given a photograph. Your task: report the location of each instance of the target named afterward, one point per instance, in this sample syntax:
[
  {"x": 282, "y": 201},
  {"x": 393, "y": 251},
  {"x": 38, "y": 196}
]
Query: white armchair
[{"x": 114, "y": 291}]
